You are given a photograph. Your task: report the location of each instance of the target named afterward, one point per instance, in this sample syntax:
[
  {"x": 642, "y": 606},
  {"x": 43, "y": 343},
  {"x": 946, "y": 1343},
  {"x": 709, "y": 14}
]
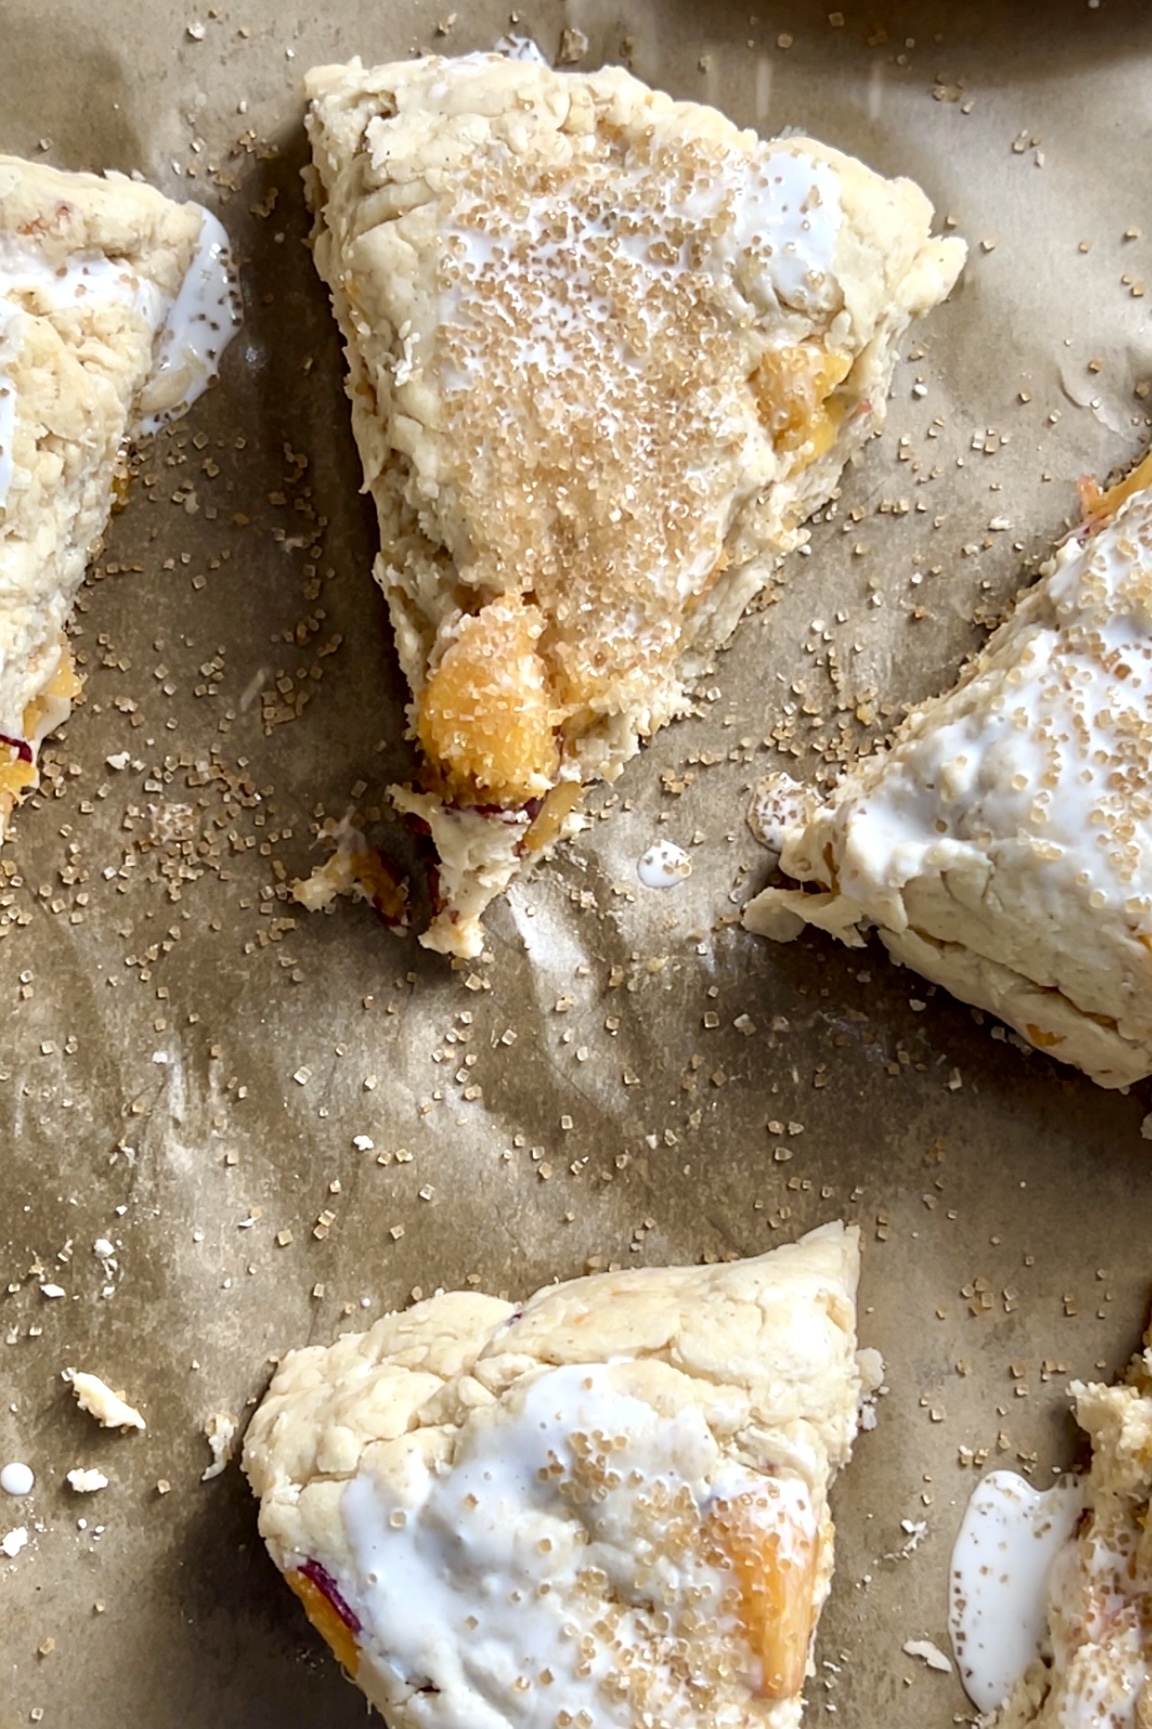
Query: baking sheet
[{"x": 631, "y": 1079}]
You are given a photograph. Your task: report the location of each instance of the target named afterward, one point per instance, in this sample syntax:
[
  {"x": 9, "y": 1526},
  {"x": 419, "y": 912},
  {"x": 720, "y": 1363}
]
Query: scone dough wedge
[
  {"x": 1096, "y": 1668},
  {"x": 1002, "y": 846},
  {"x": 606, "y": 353},
  {"x": 115, "y": 303},
  {"x": 605, "y": 1509}
]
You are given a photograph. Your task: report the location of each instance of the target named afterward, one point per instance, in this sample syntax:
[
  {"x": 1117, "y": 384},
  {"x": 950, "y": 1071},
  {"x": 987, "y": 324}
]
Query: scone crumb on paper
[
  {"x": 915, "y": 1531},
  {"x": 86, "y": 1482},
  {"x": 357, "y": 869},
  {"x": 871, "y": 1367},
  {"x": 929, "y": 1654},
  {"x": 14, "y": 1541},
  {"x": 220, "y": 1434},
  {"x": 97, "y": 1398}
]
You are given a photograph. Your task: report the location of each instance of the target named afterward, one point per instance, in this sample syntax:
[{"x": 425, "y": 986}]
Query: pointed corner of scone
[
  {"x": 606, "y": 354},
  {"x": 115, "y": 306},
  {"x": 602, "y": 1507},
  {"x": 1000, "y": 846}
]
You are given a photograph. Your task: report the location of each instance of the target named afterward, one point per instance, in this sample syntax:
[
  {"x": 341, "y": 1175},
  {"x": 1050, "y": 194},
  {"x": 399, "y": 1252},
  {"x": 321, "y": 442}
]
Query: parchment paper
[{"x": 631, "y": 1079}]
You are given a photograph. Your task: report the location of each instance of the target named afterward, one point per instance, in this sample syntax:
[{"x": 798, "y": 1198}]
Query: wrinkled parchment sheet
[{"x": 188, "y": 1058}]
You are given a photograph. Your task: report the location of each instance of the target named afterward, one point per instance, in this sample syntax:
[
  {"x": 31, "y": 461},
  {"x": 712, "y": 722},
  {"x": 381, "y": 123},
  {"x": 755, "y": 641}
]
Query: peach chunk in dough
[
  {"x": 775, "y": 1566},
  {"x": 1096, "y": 506},
  {"x": 793, "y": 389},
  {"x": 548, "y": 825},
  {"x": 21, "y": 772},
  {"x": 15, "y": 775},
  {"x": 487, "y": 717},
  {"x": 328, "y": 1622}
]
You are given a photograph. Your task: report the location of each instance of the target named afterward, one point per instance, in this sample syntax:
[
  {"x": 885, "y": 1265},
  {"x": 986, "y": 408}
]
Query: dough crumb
[
  {"x": 86, "y": 1482},
  {"x": 220, "y": 1434},
  {"x": 110, "y": 1409},
  {"x": 16, "y": 1540},
  {"x": 928, "y": 1653}
]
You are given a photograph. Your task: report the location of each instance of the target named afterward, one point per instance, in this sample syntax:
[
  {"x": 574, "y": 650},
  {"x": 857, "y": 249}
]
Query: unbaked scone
[
  {"x": 115, "y": 303},
  {"x": 606, "y": 352},
  {"x": 1002, "y": 846},
  {"x": 1095, "y": 1670},
  {"x": 605, "y": 1509}
]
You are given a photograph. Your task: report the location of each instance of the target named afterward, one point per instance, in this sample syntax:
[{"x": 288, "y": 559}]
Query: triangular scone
[
  {"x": 607, "y": 1508},
  {"x": 1003, "y": 845},
  {"x": 606, "y": 353},
  {"x": 1095, "y": 1669},
  {"x": 114, "y": 305}
]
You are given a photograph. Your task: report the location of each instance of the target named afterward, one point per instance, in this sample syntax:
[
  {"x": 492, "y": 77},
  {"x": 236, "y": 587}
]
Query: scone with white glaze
[
  {"x": 606, "y": 353},
  {"x": 1096, "y": 1669},
  {"x": 1002, "y": 847},
  {"x": 115, "y": 303},
  {"x": 605, "y": 1509}
]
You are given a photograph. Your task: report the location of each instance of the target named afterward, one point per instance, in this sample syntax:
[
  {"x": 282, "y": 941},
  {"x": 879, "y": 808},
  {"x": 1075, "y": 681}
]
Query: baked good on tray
[
  {"x": 606, "y": 352},
  {"x": 114, "y": 305},
  {"x": 605, "y": 1507},
  {"x": 1002, "y": 846},
  {"x": 1095, "y": 1662}
]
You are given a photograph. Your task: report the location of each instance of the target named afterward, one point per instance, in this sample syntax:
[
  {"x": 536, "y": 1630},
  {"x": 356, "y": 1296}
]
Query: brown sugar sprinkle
[
  {"x": 598, "y": 520},
  {"x": 740, "y": 1619}
]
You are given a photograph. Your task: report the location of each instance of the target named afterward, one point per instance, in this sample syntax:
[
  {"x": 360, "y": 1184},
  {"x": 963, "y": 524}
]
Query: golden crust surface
[
  {"x": 606, "y": 353},
  {"x": 607, "y": 1506}
]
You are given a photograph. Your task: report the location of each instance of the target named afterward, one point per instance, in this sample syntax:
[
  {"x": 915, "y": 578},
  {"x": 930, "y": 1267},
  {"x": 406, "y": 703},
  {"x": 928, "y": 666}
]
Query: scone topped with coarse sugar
[
  {"x": 605, "y": 1509},
  {"x": 1002, "y": 845},
  {"x": 607, "y": 352},
  {"x": 115, "y": 306}
]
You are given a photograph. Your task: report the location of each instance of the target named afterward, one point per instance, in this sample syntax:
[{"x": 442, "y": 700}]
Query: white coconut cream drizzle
[
  {"x": 999, "y": 1587},
  {"x": 201, "y": 322},
  {"x": 664, "y": 865},
  {"x": 468, "y": 1578}
]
